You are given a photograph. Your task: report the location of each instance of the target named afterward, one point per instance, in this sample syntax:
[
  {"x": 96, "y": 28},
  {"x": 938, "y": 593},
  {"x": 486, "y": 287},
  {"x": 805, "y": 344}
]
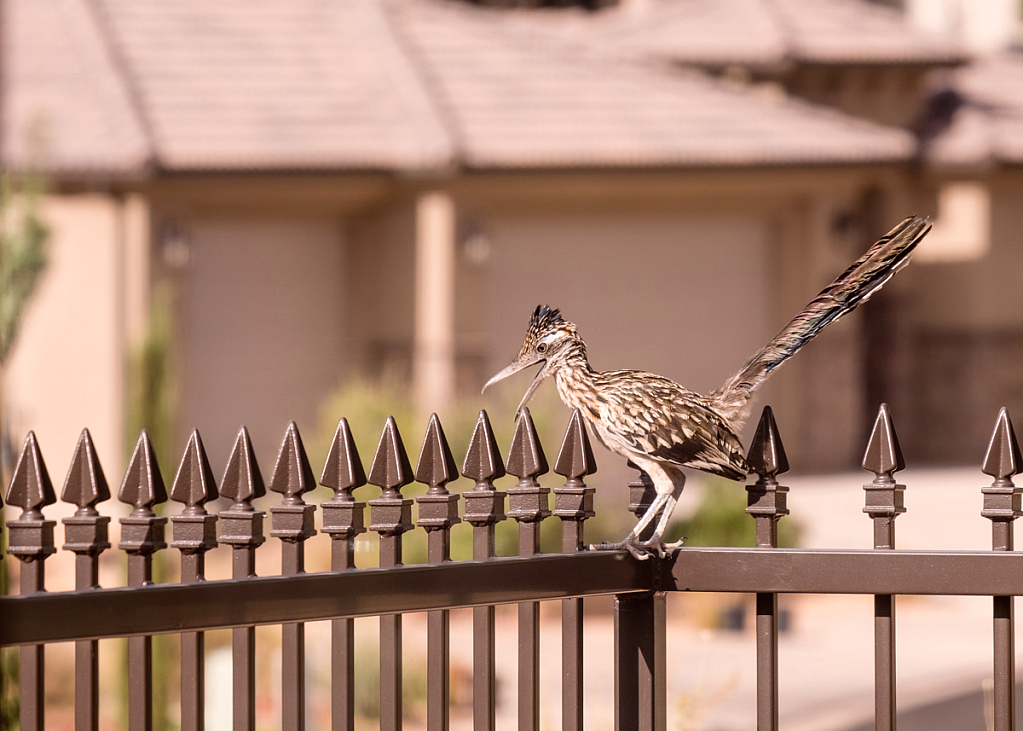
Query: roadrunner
[{"x": 662, "y": 426}]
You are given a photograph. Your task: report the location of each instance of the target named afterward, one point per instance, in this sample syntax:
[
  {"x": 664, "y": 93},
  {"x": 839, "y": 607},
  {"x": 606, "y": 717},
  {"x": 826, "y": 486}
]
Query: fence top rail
[
  {"x": 161, "y": 608},
  {"x": 207, "y": 605},
  {"x": 809, "y": 571}
]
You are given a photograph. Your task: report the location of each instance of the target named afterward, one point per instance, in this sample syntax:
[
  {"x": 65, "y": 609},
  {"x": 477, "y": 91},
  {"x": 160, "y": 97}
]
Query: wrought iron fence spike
[
  {"x": 575, "y": 460},
  {"x": 483, "y": 458},
  {"x": 31, "y": 488},
  {"x": 143, "y": 483},
  {"x": 85, "y": 484},
  {"x": 766, "y": 456},
  {"x": 436, "y": 466},
  {"x": 1003, "y": 456},
  {"x": 194, "y": 484},
  {"x": 292, "y": 475},
  {"x": 343, "y": 471},
  {"x": 391, "y": 469},
  {"x": 242, "y": 480},
  {"x": 526, "y": 457},
  {"x": 884, "y": 455}
]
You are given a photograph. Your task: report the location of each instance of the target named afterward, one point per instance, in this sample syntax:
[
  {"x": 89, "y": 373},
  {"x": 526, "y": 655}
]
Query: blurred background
[{"x": 216, "y": 214}]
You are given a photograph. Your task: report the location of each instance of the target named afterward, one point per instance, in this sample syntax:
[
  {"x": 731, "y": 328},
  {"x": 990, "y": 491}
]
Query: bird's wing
[{"x": 656, "y": 417}]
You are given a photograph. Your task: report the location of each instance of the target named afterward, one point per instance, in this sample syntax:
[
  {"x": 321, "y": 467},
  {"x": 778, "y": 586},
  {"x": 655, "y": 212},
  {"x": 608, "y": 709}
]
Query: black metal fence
[{"x": 142, "y": 608}]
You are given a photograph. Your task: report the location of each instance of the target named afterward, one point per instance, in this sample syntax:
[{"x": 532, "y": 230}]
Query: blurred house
[{"x": 335, "y": 188}]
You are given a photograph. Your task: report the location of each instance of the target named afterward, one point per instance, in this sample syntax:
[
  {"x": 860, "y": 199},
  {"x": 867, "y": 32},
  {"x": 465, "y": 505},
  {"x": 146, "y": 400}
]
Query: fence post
[
  {"x": 31, "y": 540},
  {"x": 884, "y": 503},
  {"x": 194, "y": 533},
  {"x": 390, "y": 516},
  {"x": 241, "y": 527},
  {"x": 484, "y": 508},
  {"x": 529, "y": 504},
  {"x": 1002, "y": 507},
  {"x": 85, "y": 533},
  {"x": 573, "y": 503},
  {"x": 767, "y": 503},
  {"x": 343, "y": 521},
  {"x": 141, "y": 537},
  {"x": 292, "y": 522},
  {"x": 438, "y": 511}
]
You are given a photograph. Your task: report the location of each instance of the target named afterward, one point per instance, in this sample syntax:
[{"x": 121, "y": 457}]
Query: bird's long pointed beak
[{"x": 515, "y": 368}]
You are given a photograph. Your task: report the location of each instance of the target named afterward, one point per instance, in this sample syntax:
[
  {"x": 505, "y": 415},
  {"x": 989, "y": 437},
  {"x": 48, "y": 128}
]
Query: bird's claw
[{"x": 640, "y": 550}]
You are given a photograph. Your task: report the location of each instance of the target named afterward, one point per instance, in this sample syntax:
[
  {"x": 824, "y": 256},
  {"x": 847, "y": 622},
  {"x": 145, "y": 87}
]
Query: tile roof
[
  {"x": 398, "y": 85},
  {"x": 64, "y": 104},
  {"x": 768, "y": 32},
  {"x": 234, "y": 84},
  {"x": 517, "y": 100},
  {"x": 857, "y": 31},
  {"x": 986, "y": 124}
]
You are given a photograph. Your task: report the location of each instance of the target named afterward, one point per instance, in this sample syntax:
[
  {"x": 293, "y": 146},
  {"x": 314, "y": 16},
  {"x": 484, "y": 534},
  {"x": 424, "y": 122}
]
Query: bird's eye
[{"x": 541, "y": 348}]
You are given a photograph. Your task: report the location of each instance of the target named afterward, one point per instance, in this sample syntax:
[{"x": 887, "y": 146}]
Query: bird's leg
[
  {"x": 631, "y": 541},
  {"x": 655, "y": 540}
]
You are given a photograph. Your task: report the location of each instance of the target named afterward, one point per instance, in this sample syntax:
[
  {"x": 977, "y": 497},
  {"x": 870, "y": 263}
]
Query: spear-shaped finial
[
  {"x": 1002, "y": 500},
  {"x": 292, "y": 476},
  {"x": 194, "y": 484},
  {"x": 343, "y": 472},
  {"x": 142, "y": 487},
  {"x": 436, "y": 466},
  {"x": 526, "y": 459},
  {"x": 31, "y": 488},
  {"x": 766, "y": 500},
  {"x": 143, "y": 484},
  {"x": 242, "y": 481},
  {"x": 483, "y": 461},
  {"x": 884, "y": 455},
  {"x": 195, "y": 530},
  {"x": 85, "y": 484},
  {"x": 528, "y": 502},
  {"x": 438, "y": 509},
  {"x": 575, "y": 460},
  {"x": 766, "y": 453},
  {"x": 1003, "y": 459},
  {"x": 390, "y": 513},
  {"x": 391, "y": 469}
]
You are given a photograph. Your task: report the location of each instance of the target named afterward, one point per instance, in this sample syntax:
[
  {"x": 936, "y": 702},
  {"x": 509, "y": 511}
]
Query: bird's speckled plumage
[{"x": 663, "y": 426}]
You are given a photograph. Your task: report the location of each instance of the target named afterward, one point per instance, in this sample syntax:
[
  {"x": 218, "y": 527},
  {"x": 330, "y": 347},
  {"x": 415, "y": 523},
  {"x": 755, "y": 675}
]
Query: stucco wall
[{"x": 66, "y": 369}]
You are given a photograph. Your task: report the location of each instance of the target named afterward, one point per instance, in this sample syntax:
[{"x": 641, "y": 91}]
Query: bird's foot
[{"x": 641, "y": 550}]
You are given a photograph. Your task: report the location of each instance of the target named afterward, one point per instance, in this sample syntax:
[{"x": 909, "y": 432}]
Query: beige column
[{"x": 433, "y": 359}]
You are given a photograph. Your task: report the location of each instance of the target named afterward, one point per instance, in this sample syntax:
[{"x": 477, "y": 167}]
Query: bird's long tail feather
[{"x": 867, "y": 275}]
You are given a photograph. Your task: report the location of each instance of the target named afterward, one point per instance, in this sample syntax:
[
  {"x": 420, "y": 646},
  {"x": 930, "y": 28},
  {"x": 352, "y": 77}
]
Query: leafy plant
[
  {"x": 22, "y": 260},
  {"x": 721, "y": 520},
  {"x": 22, "y": 253}
]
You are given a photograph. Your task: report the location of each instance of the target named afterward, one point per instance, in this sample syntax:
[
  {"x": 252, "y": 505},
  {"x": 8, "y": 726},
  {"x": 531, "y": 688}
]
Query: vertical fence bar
[
  {"x": 484, "y": 508},
  {"x": 573, "y": 504},
  {"x": 767, "y": 503},
  {"x": 884, "y": 503},
  {"x": 637, "y": 647},
  {"x": 241, "y": 527},
  {"x": 85, "y": 533},
  {"x": 390, "y": 516},
  {"x": 292, "y": 522},
  {"x": 141, "y": 537},
  {"x": 438, "y": 511},
  {"x": 31, "y": 541},
  {"x": 528, "y": 504},
  {"x": 343, "y": 518},
  {"x": 640, "y": 659},
  {"x": 1002, "y": 507},
  {"x": 194, "y": 533}
]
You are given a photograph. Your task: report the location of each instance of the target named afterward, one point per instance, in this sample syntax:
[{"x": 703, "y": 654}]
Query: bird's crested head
[{"x": 551, "y": 340}]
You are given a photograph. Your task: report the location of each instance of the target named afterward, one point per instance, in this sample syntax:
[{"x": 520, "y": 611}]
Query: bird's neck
[{"x": 574, "y": 377}]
